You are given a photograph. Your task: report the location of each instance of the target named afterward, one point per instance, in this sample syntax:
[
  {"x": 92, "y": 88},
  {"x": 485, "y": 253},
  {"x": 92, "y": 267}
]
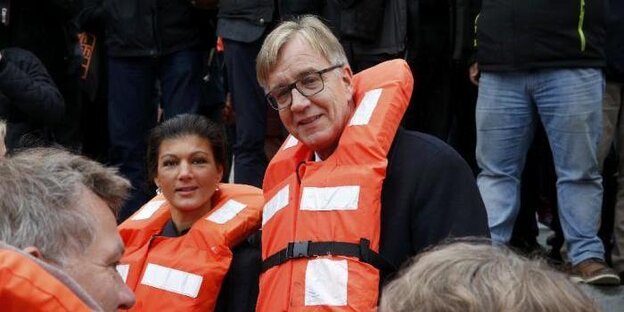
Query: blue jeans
[
  {"x": 133, "y": 105},
  {"x": 568, "y": 102}
]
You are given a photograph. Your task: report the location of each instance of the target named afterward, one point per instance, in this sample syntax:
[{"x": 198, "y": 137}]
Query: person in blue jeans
[
  {"x": 154, "y": 58},
  {"x": 541, "y": 62}
]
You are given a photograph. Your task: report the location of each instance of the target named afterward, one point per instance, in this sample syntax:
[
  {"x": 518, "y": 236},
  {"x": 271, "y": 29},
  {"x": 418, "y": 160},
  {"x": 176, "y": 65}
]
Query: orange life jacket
[
  {"x": 185, "y": 273},
  {"x": 27, "y": 286},
  {"x": 321, "y": 221}
]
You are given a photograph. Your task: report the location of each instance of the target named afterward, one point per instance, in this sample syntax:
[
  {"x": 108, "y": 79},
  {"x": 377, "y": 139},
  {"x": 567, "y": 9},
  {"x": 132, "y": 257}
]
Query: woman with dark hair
[{"x": 181, "y": 244}]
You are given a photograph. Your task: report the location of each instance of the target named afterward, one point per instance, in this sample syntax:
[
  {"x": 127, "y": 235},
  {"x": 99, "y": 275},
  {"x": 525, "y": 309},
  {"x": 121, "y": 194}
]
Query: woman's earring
[{"x": 158, "y": 191}]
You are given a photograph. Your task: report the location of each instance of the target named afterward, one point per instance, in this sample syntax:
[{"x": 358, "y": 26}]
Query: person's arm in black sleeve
[
  {"x": 448, "y": 202},
  {"x": 429, "y": 195},
  {"x": 26, "y": 82},
  {"x": 239, "y": 290}
]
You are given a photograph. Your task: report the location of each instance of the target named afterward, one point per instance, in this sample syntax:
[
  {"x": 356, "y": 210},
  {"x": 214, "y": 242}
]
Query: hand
[
  {"x": 228, "y": 110},
  {"x": 474, "y": 73}
]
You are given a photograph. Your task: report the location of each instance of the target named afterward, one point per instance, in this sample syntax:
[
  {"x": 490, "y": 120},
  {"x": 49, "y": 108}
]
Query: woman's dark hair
[{"x": 183, "y": 125}]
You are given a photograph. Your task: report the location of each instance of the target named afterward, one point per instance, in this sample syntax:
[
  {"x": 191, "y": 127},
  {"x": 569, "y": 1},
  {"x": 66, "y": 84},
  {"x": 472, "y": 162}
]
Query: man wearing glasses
[{"x": 350, "y": 195}]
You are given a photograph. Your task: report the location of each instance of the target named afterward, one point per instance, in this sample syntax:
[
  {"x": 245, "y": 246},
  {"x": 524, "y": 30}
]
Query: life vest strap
[{"x": 309, "y": 249}]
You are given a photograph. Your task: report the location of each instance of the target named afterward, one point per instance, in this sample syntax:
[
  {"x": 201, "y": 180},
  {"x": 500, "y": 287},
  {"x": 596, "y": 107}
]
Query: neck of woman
[{"x": 184, "y": 219}]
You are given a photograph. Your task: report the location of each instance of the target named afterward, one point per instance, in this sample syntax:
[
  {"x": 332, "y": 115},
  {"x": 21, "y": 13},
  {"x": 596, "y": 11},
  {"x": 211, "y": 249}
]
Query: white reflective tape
[
  {"x": 366, "y": 108},
  {"x": 227, "y": 212},
  {"x": 277, "y": 203},
  {"x": 148, "y": 210},
  {"x": 290, "y": 142},
  {"x": 326, "y": 282},
  {"x": 123, "y": 269},
  {"x": 330, "y": 198},
  {"x": 172, "y": 280}
]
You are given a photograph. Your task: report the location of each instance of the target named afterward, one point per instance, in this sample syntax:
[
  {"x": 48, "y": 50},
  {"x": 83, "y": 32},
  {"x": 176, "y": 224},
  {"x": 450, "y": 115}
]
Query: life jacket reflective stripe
[
  {"x": 186, "y": 272},
  {"x": 26, "y": 286},
  {"x": 335, "y": 200}
]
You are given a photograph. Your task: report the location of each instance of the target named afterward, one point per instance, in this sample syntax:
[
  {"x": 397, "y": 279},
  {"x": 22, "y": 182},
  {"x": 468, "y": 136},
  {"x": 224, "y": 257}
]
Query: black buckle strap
[{"x": 308, "y": 249}]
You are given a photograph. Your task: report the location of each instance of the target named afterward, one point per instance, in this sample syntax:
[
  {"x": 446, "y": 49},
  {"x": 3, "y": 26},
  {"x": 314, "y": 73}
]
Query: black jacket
[
  {"x": 373, "y": 27},
  {"x": 429, "y": 194},
  {"x": 44, "y": 28},
  {"x": 143, "y": 27},
  {"x": 29, "y": 99},
  {"x": 245, "y": 20},
  {"x": 259, "y": 12},
  {"x": 528, "y": 34}
]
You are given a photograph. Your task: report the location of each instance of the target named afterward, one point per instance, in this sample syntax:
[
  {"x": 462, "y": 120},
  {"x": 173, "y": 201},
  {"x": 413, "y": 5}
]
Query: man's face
[
  {"x": 95, "y": 270},
  {"x": 317, "y": 121}
]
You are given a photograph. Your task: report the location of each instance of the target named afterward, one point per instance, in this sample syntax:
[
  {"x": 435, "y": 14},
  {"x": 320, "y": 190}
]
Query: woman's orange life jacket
[
  {"x": 185, "y": 273},
  {"x": 321, "y": 221},
  {"x": 27, "y": 286}
]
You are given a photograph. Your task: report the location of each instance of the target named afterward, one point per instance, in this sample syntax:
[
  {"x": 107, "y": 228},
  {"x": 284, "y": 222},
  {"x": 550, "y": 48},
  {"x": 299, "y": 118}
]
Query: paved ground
[{"x": 610, "y": 299}]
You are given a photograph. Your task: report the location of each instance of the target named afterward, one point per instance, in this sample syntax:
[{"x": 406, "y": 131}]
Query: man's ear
[
  {"x": 33, "y": 251},
  {"x": 347, "y": 79}
]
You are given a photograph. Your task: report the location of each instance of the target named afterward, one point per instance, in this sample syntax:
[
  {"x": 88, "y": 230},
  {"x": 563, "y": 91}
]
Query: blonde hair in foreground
[
  {"x": 477, "y": 277},
  {"x": 309, "y": 28}
]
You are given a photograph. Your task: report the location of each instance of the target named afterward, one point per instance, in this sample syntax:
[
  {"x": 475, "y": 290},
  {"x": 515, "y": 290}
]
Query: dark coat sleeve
[
  {"x": 29, "y": 88},
  {"x": 240, "y": 287},
  {"x": 429, "y": 195}
]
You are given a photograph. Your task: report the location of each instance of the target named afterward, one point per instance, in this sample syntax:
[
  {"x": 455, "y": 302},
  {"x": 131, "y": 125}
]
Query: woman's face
[{"x": 187, "y": 173}]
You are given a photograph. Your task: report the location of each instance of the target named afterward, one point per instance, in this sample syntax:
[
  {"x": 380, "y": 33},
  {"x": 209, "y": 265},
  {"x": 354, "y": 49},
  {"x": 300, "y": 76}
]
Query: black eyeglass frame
[{"x": 273, "y": 101}]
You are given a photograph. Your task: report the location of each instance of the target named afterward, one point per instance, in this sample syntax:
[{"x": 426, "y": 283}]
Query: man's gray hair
[
  {"x": 40, "y": 192},
  {"x": 316, "y": 34},
  {"x": 481, "y": 278}
]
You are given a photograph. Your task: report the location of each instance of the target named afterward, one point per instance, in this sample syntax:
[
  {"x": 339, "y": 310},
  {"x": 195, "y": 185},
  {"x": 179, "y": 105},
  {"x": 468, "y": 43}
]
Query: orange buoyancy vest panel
[
  {"x": 321, "y": 221},
  {"x": 185, "y": 273},
  {"x": 26, "y": 286}
]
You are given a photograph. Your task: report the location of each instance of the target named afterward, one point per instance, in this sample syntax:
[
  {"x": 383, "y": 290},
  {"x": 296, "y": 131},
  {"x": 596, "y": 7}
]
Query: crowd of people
[{"x": 413, "y": 148}]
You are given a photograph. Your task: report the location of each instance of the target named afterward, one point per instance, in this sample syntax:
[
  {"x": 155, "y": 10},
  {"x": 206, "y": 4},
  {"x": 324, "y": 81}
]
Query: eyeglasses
[{"x": 310, "y": 84}]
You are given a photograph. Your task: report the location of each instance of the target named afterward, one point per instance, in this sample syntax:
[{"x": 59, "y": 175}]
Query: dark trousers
[
  {"x": 133, "y": 106},
  {"x": 250, "y": 109}
]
